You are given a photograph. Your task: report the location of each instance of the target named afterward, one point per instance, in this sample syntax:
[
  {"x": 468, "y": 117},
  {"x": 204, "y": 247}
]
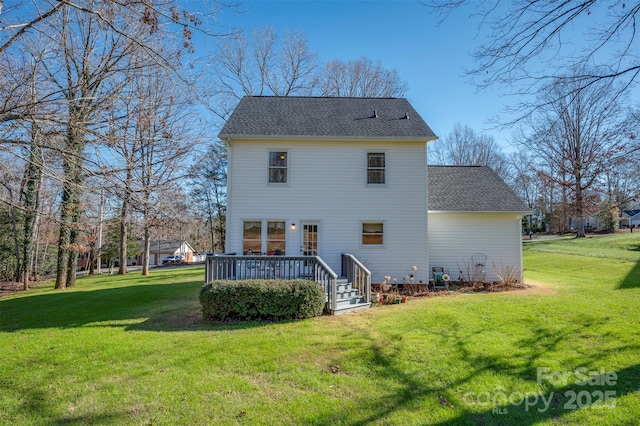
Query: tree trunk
[
  {"x": 64, "y": 238},
  {"x": 33, "y": 178},
  {"x": 73, "y": 248},
  {"x": 72, "y": 265},
  {"x": 124, "y": 217},
  {"x": 579, "y": 207},
  {"x": 91, "y": 260},
  {"x": 70, "y": 207},
  {"x": 122, "y": 268},
  {"x": 99, "y": 247},
  {"x": 16, "y": 241},
  {"x": 212, "y": 223},
  {"x": 146, "y": 252}
]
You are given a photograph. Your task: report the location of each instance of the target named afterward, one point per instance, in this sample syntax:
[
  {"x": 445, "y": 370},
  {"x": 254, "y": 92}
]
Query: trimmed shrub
[{"x": 262, "y": 299}]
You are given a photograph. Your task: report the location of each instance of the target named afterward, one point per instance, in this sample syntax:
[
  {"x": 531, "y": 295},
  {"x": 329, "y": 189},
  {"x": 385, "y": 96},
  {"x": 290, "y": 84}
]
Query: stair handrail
[
  {"x": 357, "y": 274},
  {"x": 328, "y": 279}
]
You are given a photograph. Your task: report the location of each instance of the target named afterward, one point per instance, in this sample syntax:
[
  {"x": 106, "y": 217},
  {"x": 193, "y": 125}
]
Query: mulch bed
[
  {"x": 422, "y": 290},
  {"x": 486, "y": 287}
]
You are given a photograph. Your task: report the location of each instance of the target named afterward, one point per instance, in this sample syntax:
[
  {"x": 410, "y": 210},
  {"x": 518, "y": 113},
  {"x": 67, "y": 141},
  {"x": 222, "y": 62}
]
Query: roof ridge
[
  {"x": 458, "y": 165},
  {"x": 321, "y": 97},
  {"x": 326, "y": 117}
]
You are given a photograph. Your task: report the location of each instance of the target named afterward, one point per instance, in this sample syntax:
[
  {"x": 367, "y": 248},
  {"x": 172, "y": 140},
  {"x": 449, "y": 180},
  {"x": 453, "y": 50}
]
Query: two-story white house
[
  {"x": 325, "y": 176},
  {"x": 311, "y": 176}
]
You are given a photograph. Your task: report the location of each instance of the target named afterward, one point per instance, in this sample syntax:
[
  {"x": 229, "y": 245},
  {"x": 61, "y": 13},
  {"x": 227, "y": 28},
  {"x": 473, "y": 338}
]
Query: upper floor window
[
  {"x": 278, "y": 167},
  {"x": 375, "y": 168}
]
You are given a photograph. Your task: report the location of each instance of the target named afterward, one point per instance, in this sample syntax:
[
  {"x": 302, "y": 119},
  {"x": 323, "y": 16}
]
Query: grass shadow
[
  {"x": 143, "y": 307},
  {"x": 595, "y": 392},
  {"x": 632, "y": 280},
  {"x": 410, "y": 389},
  {"x": 381, "y": 360}
]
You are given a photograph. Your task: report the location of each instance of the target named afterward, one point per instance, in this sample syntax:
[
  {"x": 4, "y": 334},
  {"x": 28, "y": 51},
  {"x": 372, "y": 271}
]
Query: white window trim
[
  {"x": 384, "y": 234},
  {"x": 286, "y": 151},
  {"x": 386, "y": 168},
  {"x": 264, "y": 234}
]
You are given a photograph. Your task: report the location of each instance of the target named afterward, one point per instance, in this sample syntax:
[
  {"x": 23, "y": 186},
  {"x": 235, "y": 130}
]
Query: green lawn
[{"x": 133, "y": 350}]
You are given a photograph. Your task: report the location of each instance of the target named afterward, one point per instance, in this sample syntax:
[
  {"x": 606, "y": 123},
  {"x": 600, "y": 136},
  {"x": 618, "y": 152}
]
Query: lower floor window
[
  {"x": 252, "y": 237},
  {"x": 276, "y": 238},
  {"x": 372, "y": 233},
  {"x": 263, "y": 237}
]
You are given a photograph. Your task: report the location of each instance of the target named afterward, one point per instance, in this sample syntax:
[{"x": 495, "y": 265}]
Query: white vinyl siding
[
  {"x": 455, "y": 237},
  {"x": 325, "y": 184}
]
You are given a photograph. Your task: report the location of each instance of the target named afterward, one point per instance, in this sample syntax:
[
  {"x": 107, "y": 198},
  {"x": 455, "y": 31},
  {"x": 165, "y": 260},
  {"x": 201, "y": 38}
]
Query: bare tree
[
  {"x": 209, "y": 193},
  {"x": 87, "y": 75},
  {"x": 530, "y": 41},
  {"x": 165, "y": 127},
  {"x": 580, "y": 134},
  {"x": 9, "y": 185},
  {"x": 259, "y": 66},
  {"x": 621, "y": 188},
  {"x": 360, "y": 78},
  {"x": 262, "y": 66},
  {"x": 84, "y": 50},
  {"x": 464, "y": 147},
  {"x": 525, "y": 181}
]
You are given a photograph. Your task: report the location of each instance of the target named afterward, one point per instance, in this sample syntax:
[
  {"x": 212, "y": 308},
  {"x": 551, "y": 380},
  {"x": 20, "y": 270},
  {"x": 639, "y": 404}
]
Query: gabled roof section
[
  {"x": 166, "y": 246},
  {"x": 471, "y": 189},
  {"x": 326, "y": 117},
  {"x": 632, "y": 213}
]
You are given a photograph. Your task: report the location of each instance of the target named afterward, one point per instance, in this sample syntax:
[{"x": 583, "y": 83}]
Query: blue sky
[{"x": 403, "y": 35}]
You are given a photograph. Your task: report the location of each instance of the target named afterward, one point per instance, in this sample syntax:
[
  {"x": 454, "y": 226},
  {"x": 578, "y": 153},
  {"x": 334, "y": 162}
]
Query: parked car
[{"x": 172, "y": 259}]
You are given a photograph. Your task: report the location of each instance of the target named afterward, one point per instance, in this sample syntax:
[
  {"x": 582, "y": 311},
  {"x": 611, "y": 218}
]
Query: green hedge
[{"x": 262, "y": 299}]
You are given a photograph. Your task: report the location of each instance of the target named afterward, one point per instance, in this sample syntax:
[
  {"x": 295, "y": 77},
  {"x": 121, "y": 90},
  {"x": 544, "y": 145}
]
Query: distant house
[
  {"x": 163, "y": 248},
  {"x": 630, "y": 219}
]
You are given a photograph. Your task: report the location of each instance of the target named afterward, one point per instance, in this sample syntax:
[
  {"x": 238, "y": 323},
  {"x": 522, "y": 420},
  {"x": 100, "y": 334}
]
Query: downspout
[
  {"x": 426, "y": 211},
  {"x": 519, "y": 233}
]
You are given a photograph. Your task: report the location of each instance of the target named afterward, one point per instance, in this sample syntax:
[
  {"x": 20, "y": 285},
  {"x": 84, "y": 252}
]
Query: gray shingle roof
[
  {"x": 258, "y": 116},
  {"x": 471, "y": 189},
  {"x": 165, "y": 245},
  {"x": 632, "y": 213}
]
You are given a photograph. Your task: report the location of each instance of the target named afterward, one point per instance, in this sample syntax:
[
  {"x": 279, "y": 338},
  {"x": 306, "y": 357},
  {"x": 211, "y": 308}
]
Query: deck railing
[
  {"x": 357, "y": 274},
  {"x": 232, "y": 267}
]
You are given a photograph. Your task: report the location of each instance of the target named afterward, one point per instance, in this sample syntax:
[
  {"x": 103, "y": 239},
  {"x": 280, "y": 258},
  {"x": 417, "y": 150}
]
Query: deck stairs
[{"x": 349, "y": 298}]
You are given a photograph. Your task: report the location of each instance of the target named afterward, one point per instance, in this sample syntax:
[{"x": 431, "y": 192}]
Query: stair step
[
  {"x": 349, "y": 298},
  {"x": 351, "y": 307}
]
